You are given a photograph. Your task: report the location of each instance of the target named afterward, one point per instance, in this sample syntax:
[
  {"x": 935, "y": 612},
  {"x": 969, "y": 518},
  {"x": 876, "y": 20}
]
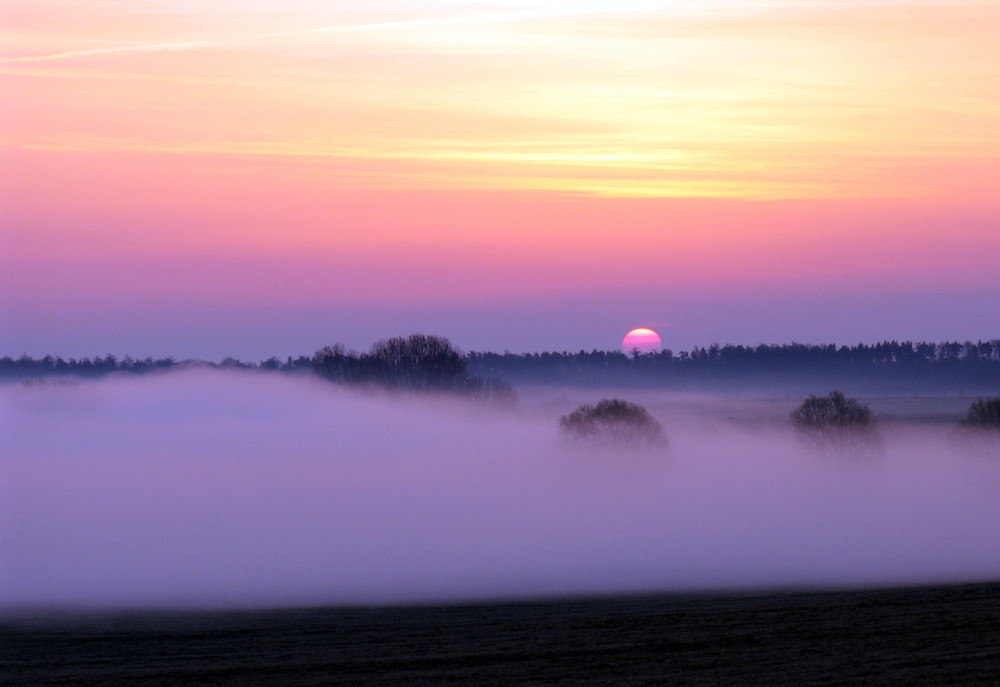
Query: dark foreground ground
[{"x": 916, "y": 636}]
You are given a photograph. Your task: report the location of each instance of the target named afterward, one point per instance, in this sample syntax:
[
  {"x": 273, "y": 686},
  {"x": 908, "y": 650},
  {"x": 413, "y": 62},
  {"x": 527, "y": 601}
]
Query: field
[
  {"x": 239, "y": 528},
  {"x": 906, "y": 636}
]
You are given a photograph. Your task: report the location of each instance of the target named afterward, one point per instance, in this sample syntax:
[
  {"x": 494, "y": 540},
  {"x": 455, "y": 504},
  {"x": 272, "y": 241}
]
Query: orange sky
[
  {"x": 391, "y": 153},
  {"x": 759, "y": 100}
]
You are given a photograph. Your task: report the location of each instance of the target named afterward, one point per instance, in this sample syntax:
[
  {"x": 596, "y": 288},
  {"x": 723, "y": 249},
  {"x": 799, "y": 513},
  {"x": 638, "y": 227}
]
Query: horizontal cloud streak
[
  {"x": 679, "y": 99},
  {"x": 579, "y": 10}
]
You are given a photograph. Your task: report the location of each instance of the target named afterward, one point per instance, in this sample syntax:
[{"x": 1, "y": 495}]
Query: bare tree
[
  {"x": 418, "y": 363},
  {"x": 837, "y": 423},
  {"x": 613, "y": 423},
  {"x": 415, "y": 363},
  {"x": 983, "y": 414},
  {"x": 978, "y": 433}
]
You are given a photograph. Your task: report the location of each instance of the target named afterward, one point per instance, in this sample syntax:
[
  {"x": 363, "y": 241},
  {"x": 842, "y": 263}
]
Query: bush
[
  {"x": 983, "y": 414},
  {"x": 836, "y": 422},
  {"x": 491, "y": 390},
  {"x": 614, "y": 423},
  {"x": 833, "y": 411},
  {"x": 978, "y": 433}
]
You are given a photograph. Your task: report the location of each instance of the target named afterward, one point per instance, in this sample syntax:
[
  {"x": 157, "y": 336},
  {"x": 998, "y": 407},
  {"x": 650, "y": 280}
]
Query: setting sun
[
  {"x": 308, "y": 307},
  {"x": 642, "y": 340},
  {"x": 714, "y": 165}
]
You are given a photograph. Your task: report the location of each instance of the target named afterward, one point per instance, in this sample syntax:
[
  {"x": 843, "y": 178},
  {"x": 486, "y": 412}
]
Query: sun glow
[
  {"x": 648, "y": 159},
  {"x": 641, "y": 340}
]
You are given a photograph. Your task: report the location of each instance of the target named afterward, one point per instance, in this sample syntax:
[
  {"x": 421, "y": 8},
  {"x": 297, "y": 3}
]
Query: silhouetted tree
[
  {"x": 614, "y": 423},
  {"x": 491, "y": 390},
  {"x": 983, "y": 414},
  {"x": 418, "y": 363},
  {"x": 836, "y": 422},
  {"x": 978, "y": 433},
  {"x": 336, "y": 364}
]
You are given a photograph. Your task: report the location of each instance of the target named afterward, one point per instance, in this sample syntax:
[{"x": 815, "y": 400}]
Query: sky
[{"x": 247, "y": 178}]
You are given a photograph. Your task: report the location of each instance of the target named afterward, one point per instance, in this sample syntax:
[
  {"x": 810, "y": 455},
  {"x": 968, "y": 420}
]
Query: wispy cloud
[
  {"x": 116, "y": 50},
  {"x": 483, "y": 18},
  {"x": 735, "y": 98}
]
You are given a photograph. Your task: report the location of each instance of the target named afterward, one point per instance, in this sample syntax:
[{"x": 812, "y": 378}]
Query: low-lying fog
[{"x": 213, "y": 488}]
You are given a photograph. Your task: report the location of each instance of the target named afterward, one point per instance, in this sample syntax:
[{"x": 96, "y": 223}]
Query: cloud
[
  {"x": 482, "y": 18},
  {"x": 120, "y": 49}
]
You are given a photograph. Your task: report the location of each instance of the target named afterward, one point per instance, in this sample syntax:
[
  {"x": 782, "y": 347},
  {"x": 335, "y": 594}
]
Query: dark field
[{"x": 910, "y": 636}]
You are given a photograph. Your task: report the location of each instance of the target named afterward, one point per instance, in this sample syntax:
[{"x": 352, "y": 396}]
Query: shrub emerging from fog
[
  {"x": 832, "y": 411},
  {"x": 613, "y": 423},
  {"x": 983, "y": 414},
  {"x": 835, "y": 422},
  {"x": 417, "y": 363},
  {"x": 978, "y": 433},
  {"x": 490, "y": 389}
]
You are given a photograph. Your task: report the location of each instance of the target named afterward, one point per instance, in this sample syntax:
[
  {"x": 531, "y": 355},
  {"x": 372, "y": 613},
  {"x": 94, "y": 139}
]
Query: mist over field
[{"x": 222, "y": 488}]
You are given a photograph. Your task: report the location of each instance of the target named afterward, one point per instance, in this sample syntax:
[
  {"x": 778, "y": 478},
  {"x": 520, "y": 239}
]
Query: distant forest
[
  {"x": 27, "y": 367},
  {"x": 889, "y": 367}
]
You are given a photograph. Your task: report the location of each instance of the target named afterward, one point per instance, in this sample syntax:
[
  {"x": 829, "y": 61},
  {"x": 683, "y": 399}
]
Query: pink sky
[{"x": 245, "y": 178}]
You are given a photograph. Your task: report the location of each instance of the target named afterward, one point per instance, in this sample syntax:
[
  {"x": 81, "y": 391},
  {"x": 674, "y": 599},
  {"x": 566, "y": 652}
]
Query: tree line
[
  {"x": 901, "y": 366},
  {"x": 888, "y": 366},
  {"x": 28, "y": 367}
]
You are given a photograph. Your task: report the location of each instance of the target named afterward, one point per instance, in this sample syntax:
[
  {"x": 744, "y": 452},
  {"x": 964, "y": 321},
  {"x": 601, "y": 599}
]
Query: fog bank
[{"x": 215, "y": 488}]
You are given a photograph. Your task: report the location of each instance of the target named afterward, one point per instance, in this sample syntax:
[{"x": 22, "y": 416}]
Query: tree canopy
[
  {"x": 834, "y": 410},
  {"x": 613, "y": 423},
  {"x": 983, "y": 414},
  {"x": 416, "y": 363},
  {"x": 836, "y": 422}
]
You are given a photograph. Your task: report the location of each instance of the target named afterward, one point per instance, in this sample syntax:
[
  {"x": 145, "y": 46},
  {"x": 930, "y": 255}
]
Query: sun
[{"x": 642, "y": 340}]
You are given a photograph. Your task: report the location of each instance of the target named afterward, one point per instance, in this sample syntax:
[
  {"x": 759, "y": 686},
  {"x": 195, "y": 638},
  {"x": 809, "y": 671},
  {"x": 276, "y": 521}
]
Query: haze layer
[{"x": 239, "y": 489}]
